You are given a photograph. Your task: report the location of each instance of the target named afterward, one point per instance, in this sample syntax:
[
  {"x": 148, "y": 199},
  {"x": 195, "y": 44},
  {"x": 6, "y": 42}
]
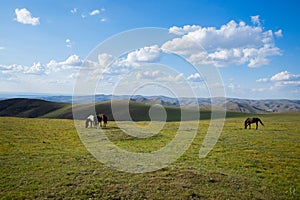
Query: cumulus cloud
[
  {"x": 158, "y": 76},
  {"x": 263, "y": 80},
  {"x": 231, "y": 44},
  {"x": 36, "y": 68},
  {"x": 146, "y": 54},
  {"x": 185, "y": 29},
  {"x": 71, "y": 63},
  {"x": 105, "y": 59},
  {"x": 147, "y": 75},
  {"x": 69, "y": 43},
  {"x": 255, "y": 19},
  {"x": 94, "y": 12},
  {"x": 74, "y": 10},
  {"x": 283, "y": 78},
  {"x": 24, "y": 17},
  {"x": 195, "y": 77},
  {"x": 103, "y": 20},
  {"x": 279, "y": 33}
]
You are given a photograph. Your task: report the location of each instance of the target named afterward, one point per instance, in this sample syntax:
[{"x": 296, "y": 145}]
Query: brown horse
[
  {"x": 102, "y": 117},
  {"x": 250, "y": 121}
]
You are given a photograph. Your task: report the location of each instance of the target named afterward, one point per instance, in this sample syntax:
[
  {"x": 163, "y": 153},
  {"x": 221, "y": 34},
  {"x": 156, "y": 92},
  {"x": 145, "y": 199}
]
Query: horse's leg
[{"x": 256, "y": 125}]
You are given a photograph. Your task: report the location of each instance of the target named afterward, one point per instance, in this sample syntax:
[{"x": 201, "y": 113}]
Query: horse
[
  {"x": 90, "y": 121},
  {"x": 100, "y": 118},
  {"x": 250, "y": 121}
]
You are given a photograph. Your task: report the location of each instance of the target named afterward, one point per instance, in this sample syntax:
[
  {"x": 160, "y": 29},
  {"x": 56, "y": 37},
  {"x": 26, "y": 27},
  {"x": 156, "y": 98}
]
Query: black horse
[
  {"x": 250, "y": 121},
  {"x": 102, "y": 117}
]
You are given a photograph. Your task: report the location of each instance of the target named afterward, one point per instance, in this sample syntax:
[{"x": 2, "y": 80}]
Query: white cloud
[
  {"x": 285, "y": 76},
  {"x": 146, "y": 54},
  {"x": 156, "y": 76},
  {"x": 7, "y": 69},
  {"x": 105, "y": 59},
  {"x": 2, "y": 48},
  {"x": 147, "y": 75},
  {"x": 263, "y": 80},
  {"x": 255, "y": 19},
  {"x": 35, "y": 69},
  {"x": 231, "y": 44},
  {"x": 259, "y": 89},
  {"x": 71, "y": 63},
  {"x": 94, "y": 12},
  {"x": 282, "y": 79},
  {"x": 73, "y": 60},
  {"x": 185, "y": 29},
  {"x": 74, "y": 10},
  {"x": 69, "y": 43},
  {"x": 279, "y": 33},
  {"x": 195, "y": 77},
  {"x": 24, "y": 17}
]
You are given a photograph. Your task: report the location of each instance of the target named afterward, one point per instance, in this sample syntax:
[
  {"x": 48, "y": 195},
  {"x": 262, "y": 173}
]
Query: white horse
[{"x": 90, "y": 120}]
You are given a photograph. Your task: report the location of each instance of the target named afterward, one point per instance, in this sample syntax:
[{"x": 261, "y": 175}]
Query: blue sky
[{"x": 255, "y": 45}]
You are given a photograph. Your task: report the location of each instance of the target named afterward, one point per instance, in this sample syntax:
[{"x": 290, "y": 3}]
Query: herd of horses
[{"x": 95, "y": 120}]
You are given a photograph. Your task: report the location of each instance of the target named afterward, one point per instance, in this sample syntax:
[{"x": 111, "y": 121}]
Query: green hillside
[
  {"x": 138, "y": 111},
  {"x": 22, "y": 107},
  {"x": 45, "y": 159}
]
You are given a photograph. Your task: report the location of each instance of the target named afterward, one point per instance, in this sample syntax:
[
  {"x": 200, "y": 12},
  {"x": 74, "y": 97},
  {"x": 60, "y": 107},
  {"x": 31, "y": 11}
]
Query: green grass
[{"x": 44, "y": 158}]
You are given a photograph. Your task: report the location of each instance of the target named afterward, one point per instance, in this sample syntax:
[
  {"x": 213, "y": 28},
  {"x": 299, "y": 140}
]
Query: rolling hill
[
  {"x": 232, "y": 104},
  {"x": 22, "y": 107},
  {"x": 139, "y": 108}
]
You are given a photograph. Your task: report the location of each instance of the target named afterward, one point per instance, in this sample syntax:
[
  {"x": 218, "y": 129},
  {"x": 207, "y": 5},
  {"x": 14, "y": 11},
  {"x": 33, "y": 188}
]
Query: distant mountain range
[{"x": 231, "y": 104}]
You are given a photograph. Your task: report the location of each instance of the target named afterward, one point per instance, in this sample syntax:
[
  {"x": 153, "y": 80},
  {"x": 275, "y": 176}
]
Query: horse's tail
[
  {"x": 246, "y": 123},
  {"x": 87, "y": 123},
  {"x": 260, "y": 122}
]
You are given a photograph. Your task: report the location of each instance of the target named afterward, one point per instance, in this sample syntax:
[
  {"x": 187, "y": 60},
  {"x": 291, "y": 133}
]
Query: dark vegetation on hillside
[
  {"x": 22, "y": 107},
  {"x": 32, "y": 108}
]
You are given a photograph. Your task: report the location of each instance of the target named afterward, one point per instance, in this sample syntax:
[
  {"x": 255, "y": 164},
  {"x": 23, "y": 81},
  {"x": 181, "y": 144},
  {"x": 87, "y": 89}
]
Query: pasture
[{"x": 44, "y": 158}]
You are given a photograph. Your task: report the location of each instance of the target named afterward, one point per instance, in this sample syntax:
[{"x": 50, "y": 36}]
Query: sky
[{"x": 254, "y": 46}]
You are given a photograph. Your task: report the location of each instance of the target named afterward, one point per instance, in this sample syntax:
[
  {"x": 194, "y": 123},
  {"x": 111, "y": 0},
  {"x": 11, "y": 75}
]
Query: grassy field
[{"x": 44, "y": 158}]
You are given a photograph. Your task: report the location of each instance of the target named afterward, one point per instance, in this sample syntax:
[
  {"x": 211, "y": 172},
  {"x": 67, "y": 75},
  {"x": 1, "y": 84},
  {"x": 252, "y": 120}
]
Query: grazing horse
[
  {"x": 90, "y": 121},
  {"x": 250, "y": 121},
  {"x": 100, "y": 118}
]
